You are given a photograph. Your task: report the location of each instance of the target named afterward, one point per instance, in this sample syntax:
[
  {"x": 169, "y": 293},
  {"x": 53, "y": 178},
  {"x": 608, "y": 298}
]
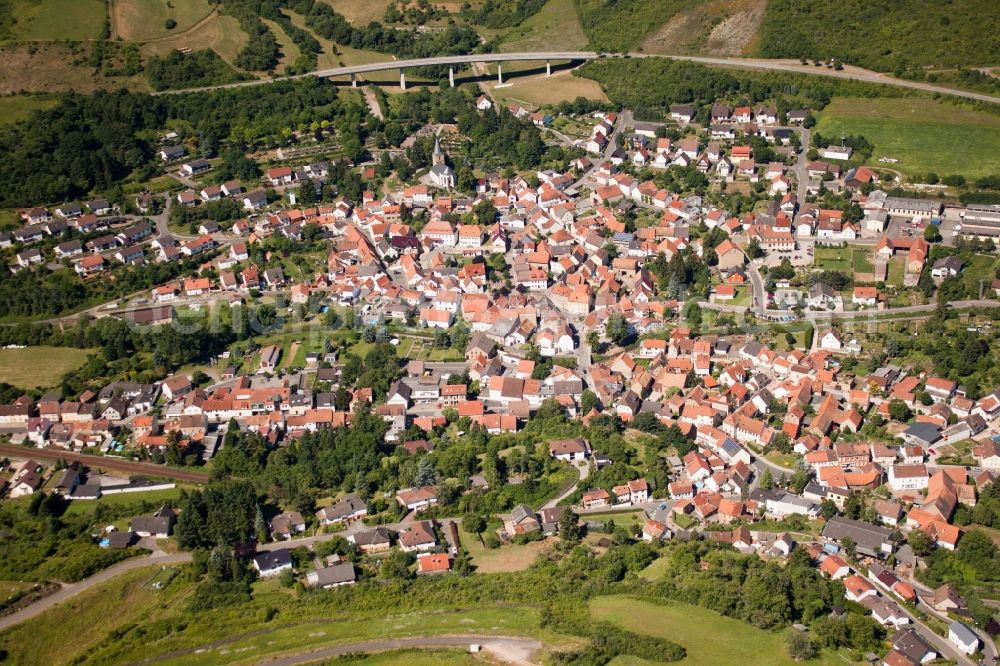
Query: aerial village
[{"x": 549, "y": 297}]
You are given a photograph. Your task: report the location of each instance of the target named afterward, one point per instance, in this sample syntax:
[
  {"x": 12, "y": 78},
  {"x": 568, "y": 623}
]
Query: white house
[
  {"x": 963, "y": 638},
  {"x": 904, "y": 478},
  {"x": 831, "y": 341}
]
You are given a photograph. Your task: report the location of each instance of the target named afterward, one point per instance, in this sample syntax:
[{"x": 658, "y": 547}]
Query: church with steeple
[{"x": 441, "y": 174}]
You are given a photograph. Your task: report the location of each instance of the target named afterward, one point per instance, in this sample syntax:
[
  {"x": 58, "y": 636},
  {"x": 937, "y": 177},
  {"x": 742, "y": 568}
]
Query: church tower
[{"x": 438, "y": 156}]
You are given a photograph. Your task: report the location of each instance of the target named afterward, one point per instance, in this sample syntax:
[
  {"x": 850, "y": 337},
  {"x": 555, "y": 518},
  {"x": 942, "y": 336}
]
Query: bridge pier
[
  {"x": 451, "y": 76},
  {"x": 548, "y": 68},
  {"x": 402, "y": 79},
  {"x": 354, "y": 80},
  {"x": 499, "y": 74}
]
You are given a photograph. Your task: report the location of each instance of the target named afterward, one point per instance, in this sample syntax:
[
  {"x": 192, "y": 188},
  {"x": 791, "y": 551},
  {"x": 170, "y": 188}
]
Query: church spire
[{"x": 438, "y": 156}]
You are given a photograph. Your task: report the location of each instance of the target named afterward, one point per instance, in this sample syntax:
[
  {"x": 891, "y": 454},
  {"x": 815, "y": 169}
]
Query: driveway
[{"x": 584, "y": 471}]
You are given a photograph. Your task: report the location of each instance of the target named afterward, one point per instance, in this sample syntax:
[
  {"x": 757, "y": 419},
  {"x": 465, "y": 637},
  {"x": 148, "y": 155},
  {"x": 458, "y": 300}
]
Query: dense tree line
[
  {"x": 501, "y": 137},
  {"x": 650, "y": 86},
  {"x": 189, "y": 70},
  {"x": 501, "y": 13},
  {"x": 321, "y": 18},
  {"x": 767, "y": 594}
]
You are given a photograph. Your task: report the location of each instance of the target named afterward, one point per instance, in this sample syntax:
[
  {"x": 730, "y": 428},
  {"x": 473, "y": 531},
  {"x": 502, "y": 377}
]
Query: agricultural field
[
  {"x": 708, "y": 637},
  {"x": 53, "y": 20},
  {"x": 15, "y": 108},
  {"x": 921, "y": 134},
  {"x": 556, "y": 23},
  {"x": 220, "y": 33},
  {"x": 360, "y": 12},
  {"x": 542, "y": 90},
  {"x": 39, "y": 367},
  {"x": 289, "y": 51},
  {"x": 143, "y": 20}
]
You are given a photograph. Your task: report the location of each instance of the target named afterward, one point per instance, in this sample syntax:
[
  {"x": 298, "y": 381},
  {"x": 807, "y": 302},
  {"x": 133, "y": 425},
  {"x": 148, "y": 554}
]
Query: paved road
[
  {"x": 624, "y": 122},
  {"x": 584, "y": 471},
  {"x": 116, "y": 464},
  {"x": 802, "y": 168},
  {"x": 852, "y": 73},
  {"x": 72, "y": 589},
  {"x": 510, "y": 649}
]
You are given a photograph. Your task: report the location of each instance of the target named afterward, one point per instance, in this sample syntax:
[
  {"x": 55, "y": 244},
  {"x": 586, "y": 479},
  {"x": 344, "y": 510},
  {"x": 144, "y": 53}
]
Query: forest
[
  {"x": 189, "y": 70},
  {"x": 884, "y": 35},
  {"x": 501, "y": 13}
]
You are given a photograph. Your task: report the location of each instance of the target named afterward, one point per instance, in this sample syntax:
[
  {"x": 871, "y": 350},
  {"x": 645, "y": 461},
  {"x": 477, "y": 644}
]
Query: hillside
[
  {"x": 621, "y": 25},
  {"x": 883, "y": 34}
]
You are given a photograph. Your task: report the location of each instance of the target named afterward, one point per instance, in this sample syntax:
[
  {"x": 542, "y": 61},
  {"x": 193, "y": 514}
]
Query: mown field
[
  {"x": 14, "y": 108},
  {"x": 709, "y": 638},
  {"x": 542, "y": 90},
  {"x": 555, "y": 24},
  {"x": 56, "y": 19},
  {"x": 39, "y": 367},
  {"x": 220, "y": 33},
  {"x": 360, "y": 12},
  {"x": 851, "y": 259},
  {"x": 923, "y": 135},
  {"x": 142, "y": 20}
]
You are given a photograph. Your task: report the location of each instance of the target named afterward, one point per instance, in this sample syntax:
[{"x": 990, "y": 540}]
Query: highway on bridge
[{"x": 851, "y": 73}]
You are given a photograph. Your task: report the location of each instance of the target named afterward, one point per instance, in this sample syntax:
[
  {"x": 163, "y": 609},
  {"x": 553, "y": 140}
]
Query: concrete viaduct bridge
[
  {"x": 855, "y": 74},
  {"x": 402, "y": 65},
  {"x": 452, "y": 61}
]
